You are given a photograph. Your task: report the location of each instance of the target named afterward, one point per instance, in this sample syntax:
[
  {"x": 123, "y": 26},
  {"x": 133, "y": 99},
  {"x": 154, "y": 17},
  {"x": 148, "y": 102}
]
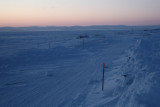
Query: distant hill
[{"x": 72, "y": 28}]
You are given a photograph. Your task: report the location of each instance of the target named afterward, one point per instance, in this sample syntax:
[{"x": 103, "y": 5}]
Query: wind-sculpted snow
[
  {"x": 134, "y": 79},
  {"x": 58, "y": 69}
]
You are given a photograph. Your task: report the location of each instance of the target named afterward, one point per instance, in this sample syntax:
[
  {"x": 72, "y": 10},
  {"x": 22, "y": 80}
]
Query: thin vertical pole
[{"x": 103, "y": 80}]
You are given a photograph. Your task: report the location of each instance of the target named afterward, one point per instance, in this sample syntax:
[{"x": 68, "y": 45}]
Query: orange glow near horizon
[{"x": 81, "y": 12}]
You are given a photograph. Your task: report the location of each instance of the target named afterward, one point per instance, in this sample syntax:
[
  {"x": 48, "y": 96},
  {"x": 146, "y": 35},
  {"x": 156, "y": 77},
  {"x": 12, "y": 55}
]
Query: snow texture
[{"x": 64, "y": 68}]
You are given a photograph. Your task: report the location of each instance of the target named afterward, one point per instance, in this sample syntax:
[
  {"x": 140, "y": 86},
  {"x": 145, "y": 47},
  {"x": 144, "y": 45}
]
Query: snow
[{"x": 58, "y": 69}]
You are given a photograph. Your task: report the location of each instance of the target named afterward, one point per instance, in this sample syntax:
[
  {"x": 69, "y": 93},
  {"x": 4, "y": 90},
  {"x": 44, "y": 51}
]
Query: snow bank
[{"x": 134, "y": 80}]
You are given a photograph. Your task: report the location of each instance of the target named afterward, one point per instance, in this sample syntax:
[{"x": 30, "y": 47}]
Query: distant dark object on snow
[
  {"x": 125, "y": 75},
  {"x": 82, "y": 36}
]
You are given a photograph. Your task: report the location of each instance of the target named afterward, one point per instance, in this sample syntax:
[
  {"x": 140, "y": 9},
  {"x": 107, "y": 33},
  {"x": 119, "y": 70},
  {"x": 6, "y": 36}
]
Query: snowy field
[{"x": 64, "y": 68}]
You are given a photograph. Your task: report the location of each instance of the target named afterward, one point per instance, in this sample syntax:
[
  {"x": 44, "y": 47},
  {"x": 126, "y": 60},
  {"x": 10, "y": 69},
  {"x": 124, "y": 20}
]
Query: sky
[{"x": 18, "y": 13}]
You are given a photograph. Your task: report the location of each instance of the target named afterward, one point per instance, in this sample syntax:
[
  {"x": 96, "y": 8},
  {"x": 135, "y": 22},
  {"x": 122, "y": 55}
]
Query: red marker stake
[{"x": 103, "y": 77}]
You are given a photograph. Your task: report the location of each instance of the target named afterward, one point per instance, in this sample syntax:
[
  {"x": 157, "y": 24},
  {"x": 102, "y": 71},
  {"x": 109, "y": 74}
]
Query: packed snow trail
[
  {"x": 53, "y": 69},
  {"x": 140, "y": 85}
]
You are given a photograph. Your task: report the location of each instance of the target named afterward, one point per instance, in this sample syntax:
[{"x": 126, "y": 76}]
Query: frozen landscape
[{"x": 63, "y": 68}]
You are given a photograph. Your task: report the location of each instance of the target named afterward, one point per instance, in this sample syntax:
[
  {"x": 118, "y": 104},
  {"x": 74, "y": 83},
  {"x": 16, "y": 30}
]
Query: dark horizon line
[{"x": 77, "y": 26}]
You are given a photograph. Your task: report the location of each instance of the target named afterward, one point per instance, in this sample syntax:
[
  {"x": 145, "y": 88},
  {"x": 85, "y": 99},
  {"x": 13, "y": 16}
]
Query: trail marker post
[
  {"x": 103, "y": 77},
  {"x": 83, "y": 43}
]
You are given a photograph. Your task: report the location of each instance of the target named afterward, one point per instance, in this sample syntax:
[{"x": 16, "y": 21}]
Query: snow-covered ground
[{"x": 61, "y": 69}]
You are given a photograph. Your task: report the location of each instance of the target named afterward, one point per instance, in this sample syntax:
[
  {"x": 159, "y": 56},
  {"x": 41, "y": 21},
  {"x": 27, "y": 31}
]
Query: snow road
[{"x": 55, "y": 69}]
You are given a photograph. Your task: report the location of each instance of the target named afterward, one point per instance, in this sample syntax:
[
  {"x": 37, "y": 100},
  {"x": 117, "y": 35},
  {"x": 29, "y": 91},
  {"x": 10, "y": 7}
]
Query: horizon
[
  {"x": 25, "y": 13},
  {"x": 81, "y": 26}
]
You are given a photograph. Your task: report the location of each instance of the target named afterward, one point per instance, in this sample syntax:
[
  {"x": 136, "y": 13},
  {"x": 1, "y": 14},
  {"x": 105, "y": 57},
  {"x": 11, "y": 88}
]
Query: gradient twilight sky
[{"x": 79, "y": 12}]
